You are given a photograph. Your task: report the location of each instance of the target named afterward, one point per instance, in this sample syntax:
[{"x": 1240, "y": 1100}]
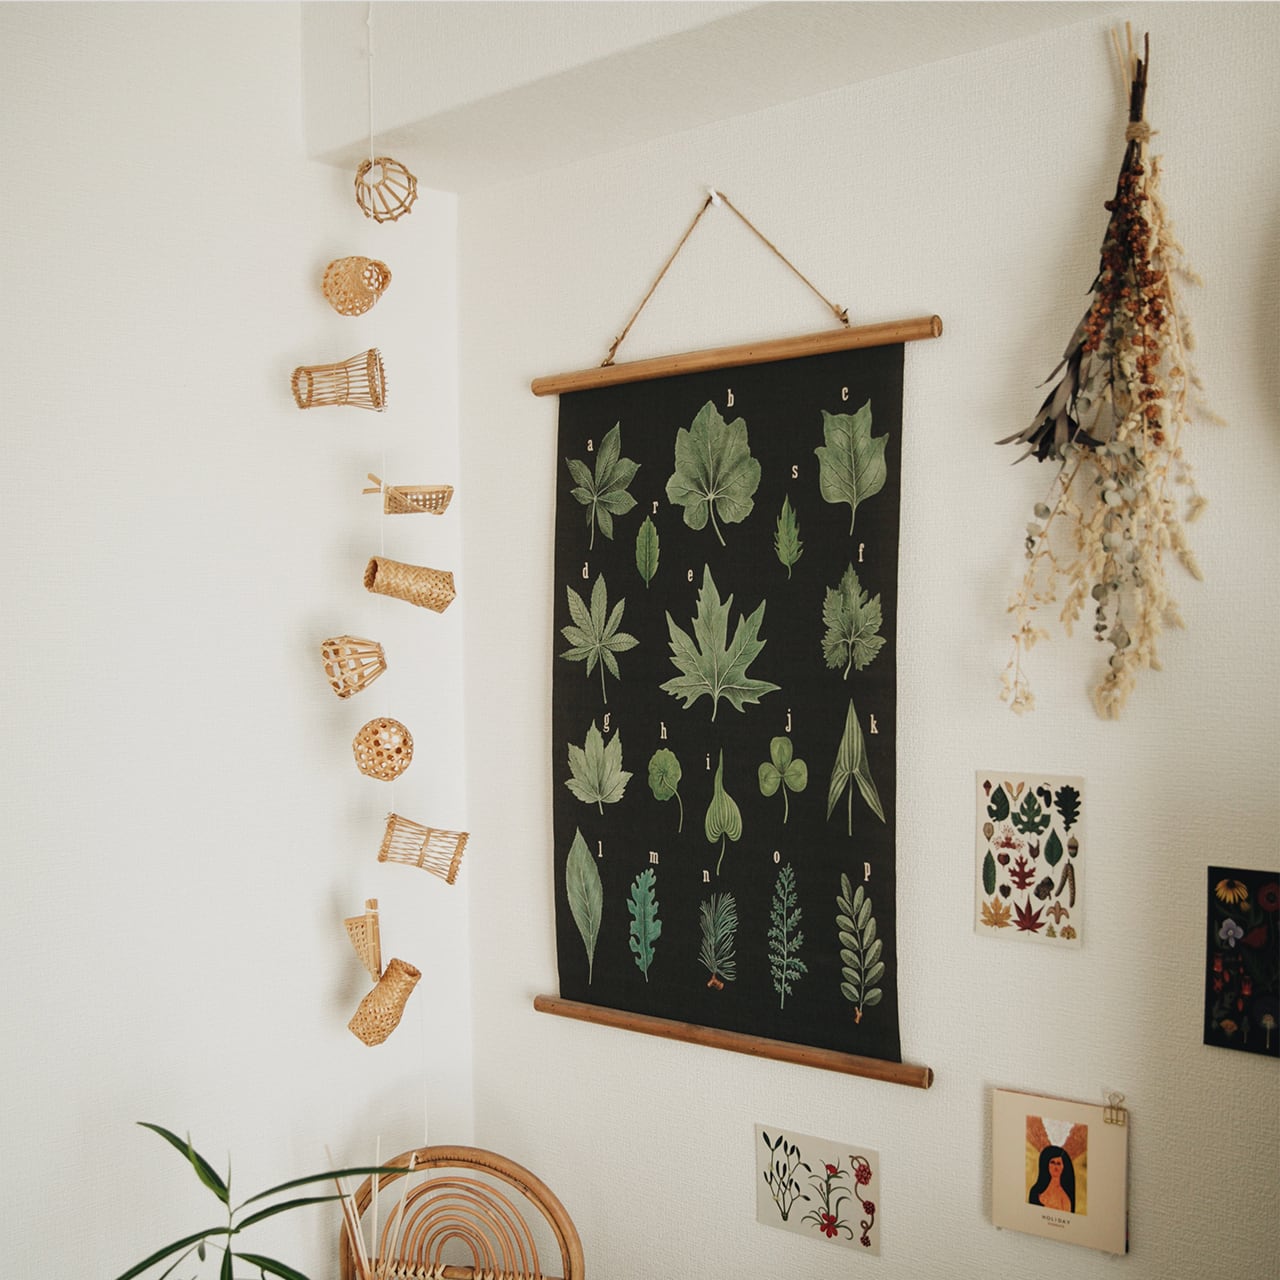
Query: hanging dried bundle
[{"x": 1113, "y": 424}]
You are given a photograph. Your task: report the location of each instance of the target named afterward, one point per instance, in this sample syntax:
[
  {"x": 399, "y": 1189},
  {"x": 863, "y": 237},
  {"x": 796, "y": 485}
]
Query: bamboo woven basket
[
  {"x": 429, "y": 588},
  {"x": 412, "y": 499},
  {"x": 383, "y": 749},
  {"x": 366, "y": 938},
  {"x": 360, "y": 381},
  {"x": 385, "y": 189},
  {"x": 380, "y": 1011},
  {"x": 352, "y": 663},
  {"x": 353, "y": 285},
  {"x": 414, "y": 845}
]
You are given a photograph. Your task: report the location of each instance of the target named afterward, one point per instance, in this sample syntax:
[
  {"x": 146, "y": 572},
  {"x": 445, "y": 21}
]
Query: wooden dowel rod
[
  {"x": 871, "y": 335},
  {"x": 850, "y": 1064}
]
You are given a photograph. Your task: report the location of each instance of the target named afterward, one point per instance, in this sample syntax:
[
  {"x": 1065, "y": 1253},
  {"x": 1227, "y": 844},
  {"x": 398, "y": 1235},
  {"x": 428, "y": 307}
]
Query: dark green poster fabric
[{"x": 724, "y": 698}]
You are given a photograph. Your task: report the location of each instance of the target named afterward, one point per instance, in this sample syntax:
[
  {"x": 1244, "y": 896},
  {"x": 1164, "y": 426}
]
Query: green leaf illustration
[
  {"x": 647, "y": 550},
  {"x": 598, "y": 775},
  {"x": 786, "y": 540},
  {"x": 780, "y": 770},
  {"x": 718, "y": 919},
  {"x": 723, "y": 820},
  {"x": 998, "y": 809},
  {"x": 594, "y": 632},
  {"x": 645, "y": 925},
  {"x": 785, "y": 936},
  {"x": 1067, "y": 798},
  {"x": 861, "y": 966},
  {"x": 715, "y": 473},
  {"x": 851, "y": 466},
  {"x": 586, "y": 895},
  {"x": 604, "y": 493},
  {"x": 989, "y": 874},
  {"x": 851, "y": 765},
  {"x": 853, "y": 622},
  {"x": 711, "y": 664},
  {"x": 1053, "y": 849},
  {"x": 664, "y": 779},
  {"x": 1029, "y": 817}
]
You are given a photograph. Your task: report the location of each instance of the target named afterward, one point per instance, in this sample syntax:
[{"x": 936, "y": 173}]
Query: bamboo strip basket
[
  {"x": 429, "y": 588},
  {"x": 352, "y": 663},
  {"x": 354, "y": 285},
  {"x": 360, "y": 381},
  {"x": 412, "y": 499},
  {"x": 385, "y": 189},
  {"x": 366, "y": 938},
  {"x": 414, "y": 845},
  {"x": 383, "y": 749},
  {"x": 381, "y": 1010}
]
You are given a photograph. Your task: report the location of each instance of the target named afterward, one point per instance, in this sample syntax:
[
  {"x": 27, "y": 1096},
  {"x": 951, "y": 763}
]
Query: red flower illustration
[
  {"x": 832, "y": 1169},
  {"x": 861, "y": 1170},
  {"x": 1269, "y": 897},
  {"x": 827, "y": 1225},
  {"x": 868, "y": 1206}
]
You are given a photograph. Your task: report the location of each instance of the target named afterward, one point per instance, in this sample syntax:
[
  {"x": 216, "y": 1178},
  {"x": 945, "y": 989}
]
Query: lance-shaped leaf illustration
[
  {"x": 594, "y": 633},
  {"x": 598, "y": 775},
  {"x": 647, "y": 550},
  {"x": 715, "y": 473},
  {"x": 723, "y": 821},
  {"x": 786, "y": 539},
  {"x": 852, "y": 617},
  {"x": 709, "y": 663},
  {"x": 781, "y": 770},
  {"x": 1053, "y": 849},
  {"x": 785, "y": 936},
  {"x": 586, "y": 895},
  {"x": 604, "y": 492},
  {"x": 989, "y": 874},
  {"x": 851, "y": 464},
  {"x": 718, "y": 920},
  {"x": 861, "y": 966},
  {"x": 664, "y": 779},
  {"x": 851, "y": 765},
  {"x": 645, "y": 925}
]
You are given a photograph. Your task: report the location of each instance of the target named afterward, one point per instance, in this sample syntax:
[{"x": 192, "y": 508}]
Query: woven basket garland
[
  {"x": 383, "y": 749},
  {"x": 380, "y": 1011},
  {"x": 352, "y": 663},
  {"x": 412, "y": 499},
  {"x": 385, "y": 189},
  {"x": 354, "y": 285},
  {"x": 429, "y": 588},
  {"x": 414, "y": 845},
  {"x": 366, "y": 938},
  {"x": 360, "y": 381}
]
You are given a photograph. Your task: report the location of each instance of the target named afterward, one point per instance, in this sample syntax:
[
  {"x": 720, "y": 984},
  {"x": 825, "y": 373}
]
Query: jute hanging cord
[{"x": 719, "y": 198}]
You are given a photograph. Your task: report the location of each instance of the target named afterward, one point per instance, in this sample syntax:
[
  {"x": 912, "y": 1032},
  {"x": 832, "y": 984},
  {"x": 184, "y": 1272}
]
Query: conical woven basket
[
  {"x": 414, "y": 845},
  {"x": 366, "y": 938},
  {"x": 353, "y": 285},
  {"x": 385, "y": 189},
  {"x": 383, "y": 749},
  {"x": 429, "y": 588},
  {"x": 412, "y": 499},
  {"x": 360, "y": 381},
  {"x": 352, "y": 663},
  {"x": 380, "y": 1011}
]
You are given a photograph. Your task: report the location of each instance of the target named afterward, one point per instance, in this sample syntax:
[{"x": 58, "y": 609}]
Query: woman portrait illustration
[{"x": 1057, "y": 1160}]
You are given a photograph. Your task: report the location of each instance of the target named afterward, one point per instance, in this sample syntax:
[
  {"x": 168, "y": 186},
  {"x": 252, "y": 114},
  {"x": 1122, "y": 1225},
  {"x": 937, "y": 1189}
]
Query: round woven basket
[
  {"x": 383, "y": 749},
  {"x": 429, "y": 588},
  {"x": 360, "y": 381},
  {"x": 380, "y": 1011},
  {"x": 352, "y": 663},
  {"x": 385, "y": 189},
  {"x": 353, "y": 285}
]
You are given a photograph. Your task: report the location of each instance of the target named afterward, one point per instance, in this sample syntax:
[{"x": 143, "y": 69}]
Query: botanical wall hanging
[
  {"x": 1102, "y": 537},
  {"x": 1242, "y": 960}
]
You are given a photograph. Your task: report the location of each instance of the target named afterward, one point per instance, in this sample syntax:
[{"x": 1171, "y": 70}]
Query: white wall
[
  {"x": 973, "y": 188},
  {"x": 184, "y": 829}
]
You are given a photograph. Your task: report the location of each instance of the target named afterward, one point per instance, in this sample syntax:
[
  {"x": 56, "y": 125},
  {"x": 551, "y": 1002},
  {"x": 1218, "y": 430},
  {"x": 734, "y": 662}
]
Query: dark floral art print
[{"x": 1242, "y": 960}]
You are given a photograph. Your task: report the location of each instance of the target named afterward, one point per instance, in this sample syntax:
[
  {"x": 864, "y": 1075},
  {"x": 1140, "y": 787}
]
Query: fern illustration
[
  {"x": 718, "y": 917},
  {"x": 860, "y": 949},
  {"x": 785, "y": 937},
  {"x": 645, "y": 925}
]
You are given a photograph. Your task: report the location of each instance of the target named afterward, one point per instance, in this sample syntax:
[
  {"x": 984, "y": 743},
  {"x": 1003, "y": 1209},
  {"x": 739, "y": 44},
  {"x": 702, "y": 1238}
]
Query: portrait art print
[
  {"x": 724, "y": 698},
  {"x": 1242, "y": 961}
]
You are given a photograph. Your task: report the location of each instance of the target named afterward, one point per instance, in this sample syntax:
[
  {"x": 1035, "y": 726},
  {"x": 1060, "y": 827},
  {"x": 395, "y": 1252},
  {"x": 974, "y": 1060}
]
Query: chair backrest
[{"x": 462, "y": 1203}]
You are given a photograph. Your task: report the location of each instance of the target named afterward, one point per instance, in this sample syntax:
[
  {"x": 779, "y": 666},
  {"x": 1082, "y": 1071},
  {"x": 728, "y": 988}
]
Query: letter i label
[{"x": 708, "y": 762}]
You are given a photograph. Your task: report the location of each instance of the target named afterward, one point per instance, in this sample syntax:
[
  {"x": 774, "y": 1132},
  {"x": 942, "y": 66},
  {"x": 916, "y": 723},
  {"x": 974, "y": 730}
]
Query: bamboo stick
[
  {"x": 871, "y": 335},
  {"x": 757, "y": 1046}
]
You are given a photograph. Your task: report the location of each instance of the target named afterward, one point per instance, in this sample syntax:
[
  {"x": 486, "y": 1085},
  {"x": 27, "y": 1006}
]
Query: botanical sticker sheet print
[
  {"x": 1029, "y": 845},
  {"x": 1242, "y": 960}
]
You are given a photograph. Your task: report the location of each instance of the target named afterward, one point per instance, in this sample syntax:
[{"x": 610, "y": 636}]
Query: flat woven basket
[
  {"x": 353, "y": 285},
  {"x": 366, "y": 938},
  {"x": 429, "y": 588},
  {"x": 412, "y": 499},
  {"x": 413, "y": 845},
  {"x": 383, "y": 749},
  {"x": 352, "y": 663},
  {"x": 380, "y": 1011}
]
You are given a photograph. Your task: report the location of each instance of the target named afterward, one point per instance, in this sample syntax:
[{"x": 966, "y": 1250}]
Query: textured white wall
[
  {"x": 973, "y": 188},
  {"x": 184, "y": 829}
]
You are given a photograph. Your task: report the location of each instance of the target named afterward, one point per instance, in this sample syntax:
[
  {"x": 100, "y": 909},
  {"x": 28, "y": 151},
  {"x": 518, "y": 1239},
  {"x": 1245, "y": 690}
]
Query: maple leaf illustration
[
  {"x": 996, "y": 914},
  {"x": 1022, "y": 873},
  {"x": 1027, "y": 920}
]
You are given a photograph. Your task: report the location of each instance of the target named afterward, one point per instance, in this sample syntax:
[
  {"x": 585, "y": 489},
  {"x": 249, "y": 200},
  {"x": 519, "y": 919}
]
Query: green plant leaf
[
  {"x": 709, "y": 663},
  {"x": 718, "y": 920},
  {"x": 784, "y": 936},
  {"x": 586, "y": 896},
  {"x": 1053, "y": 849},
  {"x": 861, "y": 966},
  {"x": 851, "y": 465},
  {"x": 594, "y": 632},
  {"x": 723, "y": 820},
  {"x": 225, "y": 1272},
  {"x": 989, "y": 874},
  {"x": 1029, "y": 817},
  {"x": 646, "y": 928},
  {"x": 786, "y": 539},
  {"x": 664, "y": 779},
  {"x": 851, "y": 765},
  {"x": 998, "y": 809},
  {"x": 285, "y": 1206},
  {"x": 598, "y": 775},
  {"x": 270, "y": 1265},
  {"x": 647, "y": 550},
  {"x": 853, "y": 621},
  {"x": 604, "y": 492},
  {"x": 781, "y": 770},
  {"x": 187, "y": 1242},
  {"x": 715, "y": 473},
  {"x": 203, "y": 1169}
]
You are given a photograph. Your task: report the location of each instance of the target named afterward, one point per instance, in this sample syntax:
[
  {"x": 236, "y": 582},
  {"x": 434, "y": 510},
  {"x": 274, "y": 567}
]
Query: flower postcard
[
  {"x": 820, "y": 1188},
  {"x": 1029, "y": 849},
  {"x": 1242, "y": 960},
  {"x": 1059, "y": 1169}
]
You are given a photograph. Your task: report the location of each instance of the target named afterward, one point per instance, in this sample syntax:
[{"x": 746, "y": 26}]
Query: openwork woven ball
[
  {"x": 383, "y": 749},
  {"x": 385, "y": 189},
  {"x": 353, "y": 285}
]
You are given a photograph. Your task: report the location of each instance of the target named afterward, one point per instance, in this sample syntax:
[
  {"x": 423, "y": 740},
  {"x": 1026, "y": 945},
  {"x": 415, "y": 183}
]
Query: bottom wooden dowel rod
[{"x": 850, "y": 1064}]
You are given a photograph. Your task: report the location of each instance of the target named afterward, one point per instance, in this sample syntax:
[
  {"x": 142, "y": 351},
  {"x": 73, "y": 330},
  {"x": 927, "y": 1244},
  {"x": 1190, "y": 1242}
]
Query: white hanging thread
[{"x": 369, "y": 63}]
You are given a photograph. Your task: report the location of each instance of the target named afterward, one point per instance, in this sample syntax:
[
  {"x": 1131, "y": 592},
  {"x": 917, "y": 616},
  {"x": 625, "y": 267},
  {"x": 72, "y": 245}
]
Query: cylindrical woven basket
[
  {"x": 352, "y": 663},
  {"x": 414, "y": 845},
  {"x": 366, "y": 938},
  {"x": 380, "y": 1011},
  {"x": 353, "y": 285},
  {"x": 430, "y": 588},
  {"x": 360, "y": 381},
  {"x": 383, "y": 749},
  {"x": 412, "y": 499},
  {"x": 385, "y": 189}
]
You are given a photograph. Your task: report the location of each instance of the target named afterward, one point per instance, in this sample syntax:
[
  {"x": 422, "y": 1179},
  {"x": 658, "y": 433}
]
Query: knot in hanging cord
[{"x": 1139, "y": 131}]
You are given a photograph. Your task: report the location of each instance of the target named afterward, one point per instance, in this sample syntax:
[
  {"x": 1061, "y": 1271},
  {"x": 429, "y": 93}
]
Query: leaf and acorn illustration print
[
  {"x": 724, "y": 699},
  {"x": 1029, "y": 844}
]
